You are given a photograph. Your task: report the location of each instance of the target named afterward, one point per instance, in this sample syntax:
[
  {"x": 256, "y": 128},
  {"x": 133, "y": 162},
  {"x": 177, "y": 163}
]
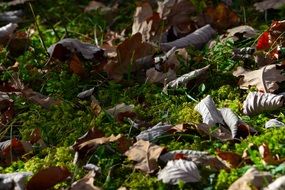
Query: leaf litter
[{"x": 152, "y": 51}]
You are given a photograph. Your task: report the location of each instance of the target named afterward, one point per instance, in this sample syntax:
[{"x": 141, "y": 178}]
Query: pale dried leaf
[
  {"x": 86, "y": 93},
  {"x": 15, "y": 181},
  {"x": 15, "y": 16},
  {"x": 7, "y": 30},
  {"x": 154, "y": 76},
  {"x": 154, "y": 131},
  {"x": 145, "y": 154},
  {"x": 245, "y": 30},
  {"x": 274, "y": 123},
  {"x": 251, "y": 179},
  {"x": 269, "y": 4},
  {"x": 220, "y": 133},
  {"x": 278, "y": 184},
  {"x": 264, "y": 78},
  {"x": 120, "y": 108},
  {"x": 184, "y": 79},
  {"x": 196, "y": 39},
  {"x": 191, "y": 153},
  {"x": 231, "y": 120},
  {"x": 207, "y": 108},
  {"x": 88, "y": 51},
  {"x": 257, "y": 102},
  {"x": 94, "y": 5},
  {"x": 176, "y": 170}
]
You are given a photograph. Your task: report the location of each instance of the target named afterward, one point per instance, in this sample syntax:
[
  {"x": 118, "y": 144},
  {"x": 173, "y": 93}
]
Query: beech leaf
[
  {"x": 245, "y": 31},
  {"x": 196, "y": 39},
  {"x": 278, "y": 184},
  {"x": 207, "y": 108},
  {"x": 184, "y": 79},
  {"x": 16, "y": 181},
  {"x": 7, "y": 30},
  {"x": 274, "y": 123},
  {"x": 251, "y": 179},
  {"x": 268, "y": 4},
  {"x": 154, "y": 131},
  {"x": 264, "y": 78},
  {"x": 176, "y": 170},
  {"x": 154, "y": 76},
  {"x": 145, "y": 154},
  {"x": 48, "y": 177},
  {"x": 63, "y": 49},
  {"x": 257, "y": 102}
]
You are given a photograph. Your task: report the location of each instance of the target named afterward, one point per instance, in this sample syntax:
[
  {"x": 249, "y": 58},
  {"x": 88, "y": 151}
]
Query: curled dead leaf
[
  {"x": 234, "y": 160},
  {"x": 274, "y": 123},
  {"x": 257, "y": 102}
]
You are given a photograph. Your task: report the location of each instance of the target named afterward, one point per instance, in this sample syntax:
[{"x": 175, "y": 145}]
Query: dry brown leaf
[
  {"x": 14, "y": 181},
  {"x": 154, "y": 76},
  {"x": 48, "y": 177},
  {"x": 257, "y": 102},
  {"x": 265, "y": 79},
  {"x": 120, "y": 111},
  {"x": 196, "y": 39},
  {"x": 184, "y": 79},
  {"x": 267, "y": 157},
  {"x": 95, "y": 106},
  {"x": 268, "y": 4},
  {"x": 221, "y": 17},
  {"x": 13, "y": 149},
  {"x": 64, "y": 48},
  {"x": 251, "y": 179},
  {"x": 38, "y": 98},
  {"x": 176, "y": 170},
  {"x": 239, "y": 32},
  {"x": 76, "y": 66},
  {"x": 234, "y": 160},
  {"x": 128, "y": 52},
  {"x": 145, "y": 154},
  {"x": 220, "y": 133},
  {"x": 210, "y": 114},
  {"x": 146, "y": 21}
]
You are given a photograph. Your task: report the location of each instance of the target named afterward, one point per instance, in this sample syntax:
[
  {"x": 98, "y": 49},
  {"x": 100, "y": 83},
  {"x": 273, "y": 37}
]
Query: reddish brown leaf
[
  {"x": 232, "y": 158},
  {"x": 48, "y": 177},
  {"x": 267, "y": 156},
  {"x": 76, "y": 66},
  {"x": 130, "y": 50}
]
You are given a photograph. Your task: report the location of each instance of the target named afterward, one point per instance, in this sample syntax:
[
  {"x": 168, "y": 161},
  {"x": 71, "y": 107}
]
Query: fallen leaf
[
  {"x": 145, "y": 154},
  {"x": 241, "y": 32},
  {"x": 221, "y": 17},
  {"x": 128, "y": 51},
  {"x": 95, "y": 106},
  {"x": 122, "y": 110},
  {"x": 154, "y": 132},
  {"x": 265, "y": 79},
  {"x": 6, "y": 31},
  {"x": 252, "y": 179},
  {"x": 234, "y": 160},
  {"x": 86, "y": 93},
  {"x": 12, "y": 150},
  {"x": 274, "y": 123},
  {"x": 86, "y": 183},
  {"x": 176, "y": 170},
  {"x": 220, "y": 133},
  {"x": 146, "y": 21},
  {"x": 63, "y": 49},
  {"x": 76, "y": 66},
  {"x": 277, "y": 184},
  {"x": 257, "y": 102},
  {"x": 184, "y": 79},
  {"x": 238, "y": 128},
  {"x": 93, "y": 5},
  {"x": 267, "y": 157},
  {"x": 196, "y": 39},
  {"x": 200, "y": 158},
  {"x": 38, "y": 98},
  {"x": 268, "y": 4},
  {"x": 16, "y": 181},
  {"x": 207, "y": 108},
  {"x": 154, "y": 76},
  {"x": 87, "y": 146},
  {"x": 48, "y": 177}
]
